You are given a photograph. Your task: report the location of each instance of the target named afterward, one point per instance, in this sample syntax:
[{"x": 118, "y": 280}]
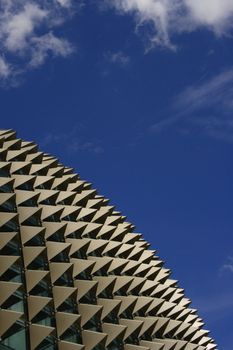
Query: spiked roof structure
[{"x": 73, "y": 274}]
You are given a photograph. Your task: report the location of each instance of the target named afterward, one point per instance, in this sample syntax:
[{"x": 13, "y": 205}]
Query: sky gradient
[{"x": 137, "y": 96}]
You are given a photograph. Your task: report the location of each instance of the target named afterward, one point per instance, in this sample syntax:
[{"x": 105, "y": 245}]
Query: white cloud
[
  {"x": 46, "y": 44},
  {"x": 28, "y": 34},
  {"x": 65, "y": 3},
  {"x": 5, "y": 69},
  {"x": 18, "y": 27},
  {"x": 169, "y": 17},
  {"x": 211, "y": 12}
]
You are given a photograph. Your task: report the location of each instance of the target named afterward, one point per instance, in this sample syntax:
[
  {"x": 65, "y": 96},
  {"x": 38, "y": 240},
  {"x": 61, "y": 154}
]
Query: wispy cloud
[
  {"x": 228, "y": 266},
  {"x": 118, "y": 57},
  {"x": 215, "y": 306},
  {"x": 205, "y": 107},
  {"x": 70, "y": 142},
  {"x": 169, "y": 17},
  {"x": 28, "y": 34}
]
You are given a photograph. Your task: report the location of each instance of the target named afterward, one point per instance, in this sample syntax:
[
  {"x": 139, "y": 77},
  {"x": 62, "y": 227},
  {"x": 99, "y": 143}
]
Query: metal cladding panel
[{"x": 73, "y": 273}]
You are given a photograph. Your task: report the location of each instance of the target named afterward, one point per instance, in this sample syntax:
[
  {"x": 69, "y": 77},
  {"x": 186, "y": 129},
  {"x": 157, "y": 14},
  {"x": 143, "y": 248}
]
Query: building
[{"x": 73, "y": 274}]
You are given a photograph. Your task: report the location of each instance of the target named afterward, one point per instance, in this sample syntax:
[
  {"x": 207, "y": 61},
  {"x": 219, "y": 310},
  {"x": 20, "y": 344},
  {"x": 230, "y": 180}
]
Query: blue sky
[{"x": 137, "y": 96}]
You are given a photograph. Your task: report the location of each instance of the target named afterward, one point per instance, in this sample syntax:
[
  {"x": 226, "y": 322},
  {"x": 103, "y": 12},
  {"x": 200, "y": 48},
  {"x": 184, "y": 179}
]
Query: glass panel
[{"x": 16, "y": 341}]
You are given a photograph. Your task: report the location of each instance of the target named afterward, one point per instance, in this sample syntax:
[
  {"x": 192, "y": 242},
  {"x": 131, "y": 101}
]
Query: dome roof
[{"x": 73, "y": 273}]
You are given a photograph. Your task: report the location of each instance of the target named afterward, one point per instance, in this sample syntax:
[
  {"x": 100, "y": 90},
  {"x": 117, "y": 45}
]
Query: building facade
[{"x": 73, "y": 273}]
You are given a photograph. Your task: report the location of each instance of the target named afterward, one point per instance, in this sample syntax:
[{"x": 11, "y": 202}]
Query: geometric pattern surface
[{"x": 73, "y": 273}]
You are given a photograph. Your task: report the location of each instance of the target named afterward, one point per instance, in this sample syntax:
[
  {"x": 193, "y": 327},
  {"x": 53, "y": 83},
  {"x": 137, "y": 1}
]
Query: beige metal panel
[
  {"x": 6, "y": 217},
  {"x": 142, "y": 270},
  {"x": 105, "y": 283},
  {"x": 90, "y": 229},
  {"x": 13, "y": 155},
  {"x": 20, "y": 180},
  {"x": 23, "y": 167},
  {"x": 109, "y": 305},
  {"x": 6, "y": 262},
  {"x": 101, "y": 263},
  {"x": 167, "y": 345},
  {"x": 119, "y": 233},
  {"x": 57, "y": 270},
  {"x": 102, "y": 213},
  {"x": 112, "y": 248},
  {"x": 24, "y": 196},
  {"x": 26, "y": 213},
  {"x": 7, "y": 134},
  {"x": 77, "y": 186},
  {"x": 172, "y": 327},
  {"x": 117, "y": 266},
  {"x": 135, "y": 347},
  {"x": 81, "y": 265},
  {"x": 105, "y": 231},
  {"x": 125, "y": 250},
  {"x": 6, "y": 167},
  {"x": 55, "y": 248},
  {"x": 46, "y": 194},
  {"x": 4, "y": 197},
  {"x": 38, "y": 333},
  {"x": 36, "y": 304},
  {"x": 43, "y": 180},
  {"x": 49, "y": 210},
  {"x": 7, "y": 319},
  {"x": 127, "y": 303},
  {"x": 94, "y": 203},
  {"x": 54, "y": 228},
  {"x": 113, "y": 331},
  {"x": 65, "y": 196},
  {"x": 190, "y": 346},
  {"x": 69, "y": 211},
  {"x": 78, "y": 244},
  {"x": 7, "y": 289},
  {"x": 6, "y": 237},
  {"x": 160, "y": 325},
  {"x": 148, "y": 326},
  {"x": 60, "y": 294},
  {"x": 92, "y": 339},
  {"x": 149, "y": 287},
  {"x": 33, "y": 277},
  {"x": 87, "y": 311},
  {"x": 35, "y": 157},
  {"x": 136, "y": 286},
  {"x": 28, "y": 232},
  {"x": 171, "y": 344},
  {"x": 73, "y": 227},
  {"x": 152, "y": 345},
  {"x": 13, "y": 144},
  {"x": 6, "y": 181},
  {"x": 85, "y": 213},
  {"x": 85, "y": 287},
  {"x": 132, "y": 326},
  {"x": 64, "y": 320},
  {"x": 38, "y": 168},
  {"x": 122, "y": 283},
  {"x": 31, "y": 253},
  {"x": 65, "y": 345},
  {"x": 142, "y": 304},
  {"x": 60, "y": 182},
  {"x": 84, "y": 195}
]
